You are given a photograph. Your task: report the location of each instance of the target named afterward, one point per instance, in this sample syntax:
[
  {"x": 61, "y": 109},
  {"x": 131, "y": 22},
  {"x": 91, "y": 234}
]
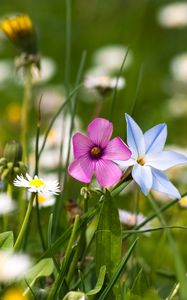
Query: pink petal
[
  {"x": 100, "y": 131},
  {"x": 81, "y": 145},
  {"x": 107, "y": 172},
  {"x": 82, "y": 169},
  {"x": 117, "y": 149}
]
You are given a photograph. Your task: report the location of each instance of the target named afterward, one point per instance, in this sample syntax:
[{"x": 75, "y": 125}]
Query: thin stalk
[
  {"x": 68, "y": 44},
  {"x": 20, "y": 237},
  {"x": 25, "y": 111},
  {"x": 6, "y": 216},
  {"x": 37, "y": 173}
]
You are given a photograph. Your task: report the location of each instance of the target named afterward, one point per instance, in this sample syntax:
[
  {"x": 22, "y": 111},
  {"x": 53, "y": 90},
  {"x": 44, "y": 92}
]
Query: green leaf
[
  {"x": 99, "y": 283},
  {"x": 118, "y": 272},
  {"x": 42, "y": 269},
  {"x": 108, "y": 237},
  {"x": 6, "y": 240}
]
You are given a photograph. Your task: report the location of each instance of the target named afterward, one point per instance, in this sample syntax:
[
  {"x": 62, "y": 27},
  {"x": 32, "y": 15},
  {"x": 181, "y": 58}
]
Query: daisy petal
[
  {"x": 165, "y": 160},
  {"x": 135, "y": 137},
  {"x": 82, "y": 169},
  {"x": 81, "y": 145},
  {"x": 100, "y": 131},
  {"x": 107, "y": 172},
  {"x": 162, "y": 184},
  {"x": 155, "y": 138},
  {"x": 143, "y": 177},
  {"x": 116, "y": 149}
]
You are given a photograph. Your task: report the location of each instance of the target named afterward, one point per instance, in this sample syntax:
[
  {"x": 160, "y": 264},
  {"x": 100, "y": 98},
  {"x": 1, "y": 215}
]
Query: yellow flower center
[
  {"x": 37, "y": 183},
  {"x": 41, "y": 199},
  {"x": 95, "y": 152},
  {"x": 140, "y": 161},
  {"x": 14, "y": 294},
  {"x": 183, "y": 201}
]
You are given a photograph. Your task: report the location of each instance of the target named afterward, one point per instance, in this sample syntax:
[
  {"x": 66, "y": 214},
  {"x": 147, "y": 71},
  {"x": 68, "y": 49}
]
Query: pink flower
[{"x": 94, "y": 154}]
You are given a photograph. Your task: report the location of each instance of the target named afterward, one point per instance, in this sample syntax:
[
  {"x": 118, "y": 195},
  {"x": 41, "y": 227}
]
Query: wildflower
[
  {"x": 37, "y": 185},
  {"x": 173, "y": 15},
  {"x": 179, "y": 67},
  {"x": 13, "y": 266},
  {"x": 183, "y": 201},
  {"x": 148, "y": 158},
  {"x": 111, "y": 57},
  {"x": 7, "y": 205},
  {"x": 132, "y": 219},
  {"x": 104, "y": 84},
  {"x": 15, "y": 294},
  {"x": 94, "y": 154},
  {"x": 44, "y": 201},
  {"x": 19, "y": 29}
]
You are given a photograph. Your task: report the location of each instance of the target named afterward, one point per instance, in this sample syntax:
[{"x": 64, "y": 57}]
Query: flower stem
[
  {"x": 20, "y": 237},
  {"x": 25, "y": 111}
]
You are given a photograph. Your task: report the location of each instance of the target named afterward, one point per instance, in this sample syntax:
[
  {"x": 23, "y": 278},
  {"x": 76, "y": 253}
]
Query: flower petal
[
  {"x": 162, "y": 184},
  {"x": 123, "y": 164},
  {"x": 135, "y": 137},
  {"x": 107, "y": 172},
  {"x": 81, "y": 145},
  {"x": 143, "y": 177},
  {"x": 100, "y": 131},
  {"x": 165, "y": 160},
  {"x": 82, "y": 169},
  {"x": 117, "y": 149},
  {"x": 155, "y": 138}
]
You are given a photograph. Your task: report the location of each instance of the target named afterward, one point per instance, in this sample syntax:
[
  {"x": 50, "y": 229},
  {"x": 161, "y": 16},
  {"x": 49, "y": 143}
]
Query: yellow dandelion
[{"x": 19, "y": 29}]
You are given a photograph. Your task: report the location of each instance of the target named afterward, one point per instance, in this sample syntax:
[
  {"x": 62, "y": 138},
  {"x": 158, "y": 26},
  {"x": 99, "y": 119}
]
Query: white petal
[
  {"x": 123, "y": 164},
  {"x": 165, "y": 160},
  {"x": 162, "y": 184},
  {"x": 155, "y": 138},
  {"x": 143, "y": 177},
  {"x": 135, "y": 137}
]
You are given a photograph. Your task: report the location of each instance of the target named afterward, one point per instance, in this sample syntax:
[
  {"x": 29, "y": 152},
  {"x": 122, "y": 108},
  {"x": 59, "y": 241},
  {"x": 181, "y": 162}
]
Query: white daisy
[
  {"x": 179, "y": 67},
  {"x": 7, "y": 205},
  {"x": 44, "y": 201},
  {"x": 37, "y": 185},
  {"x": 13, "y": 266},
  {"x": 132, "y": 219},
  {"x": 104, "y": 82},
  {"x": 173, "y": 15}
]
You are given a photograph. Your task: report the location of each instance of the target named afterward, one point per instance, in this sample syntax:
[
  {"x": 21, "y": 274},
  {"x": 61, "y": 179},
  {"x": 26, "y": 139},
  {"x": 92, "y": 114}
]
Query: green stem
[
  {"x": 6, "y": 217},
  {"x": 20, "y": 237},
  {"x": 25, "y": 111}
]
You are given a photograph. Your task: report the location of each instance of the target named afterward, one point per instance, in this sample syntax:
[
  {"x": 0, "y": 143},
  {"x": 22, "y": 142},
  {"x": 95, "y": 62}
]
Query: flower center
[
  {"x": 140, "y": 161},
  {"x": 36, "y": 183},
  {"x": 95, "y": 152},
  {"x": 41, "y": 199}
]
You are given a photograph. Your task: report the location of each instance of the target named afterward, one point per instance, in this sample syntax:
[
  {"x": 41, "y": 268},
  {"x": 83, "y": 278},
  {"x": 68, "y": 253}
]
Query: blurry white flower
[
  {"x": 183, "y": 201},
  {"x": 75, "y": 296},
  {"x": 179, "y": 67},
  {"x": 7, "y": 205},
  {"x": 37, "y": 185},
  {"x": 48, "y": 70},
  {"x": 52, "y": 98},
  {"x": 131, "y": 219},
  {"x": 111, "y": 57},
  {"x": 104, "y": 83},
  {"x": 177, "y": 105},
  {"x": 44, "y": 201},
  {"x": 13, "y": 266},
  {"x": 173, "y": 15}
]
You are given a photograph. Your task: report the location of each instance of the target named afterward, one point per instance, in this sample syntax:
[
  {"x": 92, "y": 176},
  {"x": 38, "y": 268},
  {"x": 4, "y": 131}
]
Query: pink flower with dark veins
[{"x": 94, "y": 154}]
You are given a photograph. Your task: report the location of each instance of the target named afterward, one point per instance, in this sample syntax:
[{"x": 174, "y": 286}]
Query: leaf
[
  {"x": 42, "y": 269},
  {"x": 108, "y": 237},
  {"x": 6, "y": 240},
  {"x": 118, "y": 272},
  {"x": 100, "y": 282}
]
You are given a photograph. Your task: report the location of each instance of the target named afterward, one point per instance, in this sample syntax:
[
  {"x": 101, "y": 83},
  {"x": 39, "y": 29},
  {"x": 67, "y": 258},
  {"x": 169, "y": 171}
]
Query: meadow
[{"x": 93, "y": 150}]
